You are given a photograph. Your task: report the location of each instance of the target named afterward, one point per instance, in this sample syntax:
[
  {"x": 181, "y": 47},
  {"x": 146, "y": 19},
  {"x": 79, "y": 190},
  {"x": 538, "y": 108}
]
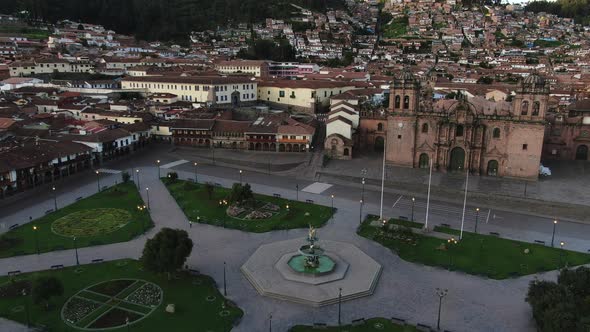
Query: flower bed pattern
[
  {"x": 149, "y": 295},
  {"x": 111, "y": 287},
  {"x": 91, "y": 222},
  {"x": 77, "y": 308}
]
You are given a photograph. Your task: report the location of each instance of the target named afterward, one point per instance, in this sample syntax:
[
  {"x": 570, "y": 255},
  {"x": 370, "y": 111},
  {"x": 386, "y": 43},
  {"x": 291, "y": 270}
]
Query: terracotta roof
[
  {"x": 193, "y": 124},
  {"x": 28, "y": 153},
  {"x": 298, "y": 84},
  {"x": 6, "y": 123},
  {"x": 231, "y": 126},
  {"x": 191, "y": 79},
  {"x": 339, "y": 118}
]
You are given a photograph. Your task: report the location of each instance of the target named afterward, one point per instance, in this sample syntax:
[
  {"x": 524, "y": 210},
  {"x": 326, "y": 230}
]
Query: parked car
[{"x": 544, "y": 171}]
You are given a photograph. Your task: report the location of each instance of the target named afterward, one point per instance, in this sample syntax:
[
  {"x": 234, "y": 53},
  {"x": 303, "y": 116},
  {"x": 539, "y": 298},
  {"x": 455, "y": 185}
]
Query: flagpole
[
  {"x": 383, "y": 177},
  {"x": 464, "y": 202},
  {"x": 428, "y": 197}
]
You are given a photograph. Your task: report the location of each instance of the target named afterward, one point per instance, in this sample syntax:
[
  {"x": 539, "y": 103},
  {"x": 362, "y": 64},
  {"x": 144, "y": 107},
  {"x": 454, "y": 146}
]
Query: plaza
[{"x": 405, "y": 290}]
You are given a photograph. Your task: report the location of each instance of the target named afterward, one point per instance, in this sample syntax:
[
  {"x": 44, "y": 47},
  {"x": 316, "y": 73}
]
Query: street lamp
[
  {"x": 361, "y": 212},
  {"x": 287, "y": 207},
  {"x": 451, "y": 241},
  {"x": 297, "y": 192},
  {"x": 24, "y": 292},
  {"x": 36, "y": 239},
  {"x": 476, "y": 218},
  {"x": 553, "y": 234},
  {"x": 332, "y": 196},
  {"x": 339, "y": 305},
  {"x": 141, "y": 208},
  {"x": 413, "y": 204},
  {"x": 224, "y": 281},
  {"x": 98, "y": 180},
  {"x": 196, "y": 176},
  {"x": 363, "y": 189},
  {"x": 158, "y": 162},
  {"x": 76, "y": 249},
  {"x": 137, "y": 171},
  {"x": 270, "y": 323},
  {"x": 441, "y": 293},
  {"x": 240, "y": 176},
  {"x": 561, "y": 253},
  {"x": 54, "y": 198},
  {"x": 147, "y": 193}
]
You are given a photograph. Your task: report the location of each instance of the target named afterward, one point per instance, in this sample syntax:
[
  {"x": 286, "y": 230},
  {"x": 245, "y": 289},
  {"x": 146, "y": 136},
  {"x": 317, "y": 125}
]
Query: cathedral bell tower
[
  {"x": 404, "y": 103},
  {"x": 530, "y": 102}
]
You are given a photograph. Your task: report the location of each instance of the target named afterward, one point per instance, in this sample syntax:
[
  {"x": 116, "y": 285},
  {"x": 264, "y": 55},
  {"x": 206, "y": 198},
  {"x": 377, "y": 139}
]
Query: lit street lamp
[
  {"x": 553, "y": 234},
  {"x": 476, "y": 218},
  {"x": 332, "y": 196},
  {"x": 54, "y": 198},
  {"x": 452, "y": 241},
  {"x": 196, "y": 175},
  {"x": 36, "y": 239},
  {"x": 147, "y": 193},
  {"x": 561, "y": 253},
  {"x": 158, "y": 162},
  {"x": 224, "y": 281},
  {"x": 24, "y": 292},
  {"x": 137, "y": 171},
  {"x": 441, "y": 293},
  {"x": 361, "y": 212},
  {"x": 240, "y": 176},
  {"x": 98, "y": 180},
  {"x": 413, "y": 204},
  {"x": 363, "y": 189}
]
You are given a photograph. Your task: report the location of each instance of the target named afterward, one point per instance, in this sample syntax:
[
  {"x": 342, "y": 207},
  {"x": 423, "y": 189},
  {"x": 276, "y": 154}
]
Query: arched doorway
[
  {"x": 235, "y": 99},
  {"x": 281, "y": 147},
  {"x": 582, "y": 152},
  {"x": 492, "y": 168},
  {"x": 457, "y": 159},
  {"x": 423, "y": 162},
  {"x": 346, "y": 153},
  {"x": 258, "y": 147},
  {"x": 379, "y": 144}
]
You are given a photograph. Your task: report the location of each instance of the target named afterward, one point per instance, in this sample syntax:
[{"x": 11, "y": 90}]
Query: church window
[
  {"x": 536, "y": 107},
  {"x": 397, "y": 101},
  {"x": 496, "y": 133},
  {"x": 380, "y": 127},
  {"x": 459, "y": 131},
  {"x": 524, "y": 109},
  {"x": 425, "y": 128},
  {"x": 406, "y": 102},
  {"x": 525, "y": 146}
]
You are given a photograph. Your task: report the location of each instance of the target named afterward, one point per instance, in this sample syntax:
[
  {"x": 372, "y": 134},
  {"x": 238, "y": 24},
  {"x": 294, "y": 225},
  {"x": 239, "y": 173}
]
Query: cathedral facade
[{"x": 487, "y": 137}]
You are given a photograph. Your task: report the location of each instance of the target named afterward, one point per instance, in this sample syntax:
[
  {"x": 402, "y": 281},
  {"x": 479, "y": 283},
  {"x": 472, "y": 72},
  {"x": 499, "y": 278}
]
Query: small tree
[
  {"x": 44, "y": 288},
  {"x": 209, "y": 190},
  {"x": 167, "y": 251},
  {"x": 125, "y": 177},
  {"x": 241, "y": 194}
]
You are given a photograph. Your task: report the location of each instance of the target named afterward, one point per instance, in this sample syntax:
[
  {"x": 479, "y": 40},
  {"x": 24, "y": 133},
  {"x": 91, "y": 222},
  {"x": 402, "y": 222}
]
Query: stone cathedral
[{"x": 494, "y": 138}]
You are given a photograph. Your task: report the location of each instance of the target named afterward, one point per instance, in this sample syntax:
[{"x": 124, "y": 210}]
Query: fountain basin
[{"x": 297, "y": 263}]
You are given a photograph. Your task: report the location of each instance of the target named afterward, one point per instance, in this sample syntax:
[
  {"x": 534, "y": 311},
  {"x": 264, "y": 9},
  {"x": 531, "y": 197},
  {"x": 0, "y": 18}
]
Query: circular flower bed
[
  {"x": 91, "y": 222},
  {"x": 149, "y": 294}
]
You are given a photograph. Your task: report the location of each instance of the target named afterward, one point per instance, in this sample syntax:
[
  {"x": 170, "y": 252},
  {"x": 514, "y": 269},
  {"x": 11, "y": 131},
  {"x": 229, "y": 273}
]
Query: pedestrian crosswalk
[
  {"x": 108, "y": 171},
  {"x": 316, "y": 188},
  {"x": 405, "y": 204},
  {"x": 174, "y": 164}
]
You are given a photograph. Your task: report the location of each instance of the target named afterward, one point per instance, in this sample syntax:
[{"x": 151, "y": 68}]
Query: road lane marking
[
  {"x": 174, "y": 164},
  {"x": 488, "y": 218},
  {"x": 398, "y": 199}
]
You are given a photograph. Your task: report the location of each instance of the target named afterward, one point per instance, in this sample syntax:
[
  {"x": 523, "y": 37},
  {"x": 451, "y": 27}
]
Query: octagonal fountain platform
[{"x": 279, "y": 270}]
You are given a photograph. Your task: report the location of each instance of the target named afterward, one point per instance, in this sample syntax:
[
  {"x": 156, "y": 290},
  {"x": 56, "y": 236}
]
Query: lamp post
[
  {"x": 452, "y": 241},
  {"x": 413, "y": 204},
  {"x": 476, "y": 219},
  {"x": 339, "y": 305},
  {"x": 137, "y": 171},
  {"x": 24, "y": 292},
  {"x": 553, "y": 234},
  {"x": 98, "y": 180},
  {"x": 196, "y": 174},
  {"x": 147, "y": 193},
  {"x": 441, "y": 293},
  {"x": 363, "y": 189},
  {"x": 224, "y": 281},
  {"x": 76, "y": 249},
  {"x": 270, "y": 323},
  {"x": 158, "y": 162},
  {"x": 36, "y": 239},
  {"x": 297, "y": 192},
  {"x": 361, "y": 212},
  {"x": 240, "y": 176},
  {"x": 54, "y": 198},
  {"x": 332, "y": 196},
  {"x": 141, "y": 208},
  {"x": 561, "y": 253}
]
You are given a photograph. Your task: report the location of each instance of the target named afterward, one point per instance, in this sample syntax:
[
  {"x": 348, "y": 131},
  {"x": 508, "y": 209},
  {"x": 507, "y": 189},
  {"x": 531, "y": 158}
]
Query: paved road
[{"x": 405, "y": 290}]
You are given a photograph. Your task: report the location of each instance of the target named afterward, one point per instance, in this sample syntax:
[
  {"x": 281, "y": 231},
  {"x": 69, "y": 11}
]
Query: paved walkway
[{"x": 405, "y": 290}]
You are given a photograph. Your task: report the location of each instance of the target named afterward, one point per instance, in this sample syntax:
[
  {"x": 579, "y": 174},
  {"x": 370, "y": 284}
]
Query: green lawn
[
  {"x": 194, "y": 312},
  {"x": 123, "y": 197},
  {"x": 396, "y": 28},
  {"x": 30, "y": 33},
  {"x": 194, "y": 201},
  {"x": 370, "y": 325},
  {"x": 476, "y": 254}
]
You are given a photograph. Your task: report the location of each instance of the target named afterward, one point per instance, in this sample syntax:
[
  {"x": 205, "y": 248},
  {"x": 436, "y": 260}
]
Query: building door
[
  {"x": 457, "y": 159},
  {"x": 424, "y": 162},
  {"x": 492, "y": 168},
  {"x": 235, "y": 99},
  {"x": 582, "y": 152},
  {"x": 379, "y": 144}
]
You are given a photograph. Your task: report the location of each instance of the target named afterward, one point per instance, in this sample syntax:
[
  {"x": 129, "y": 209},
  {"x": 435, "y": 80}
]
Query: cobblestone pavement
[{"x": 405, "y": 290}]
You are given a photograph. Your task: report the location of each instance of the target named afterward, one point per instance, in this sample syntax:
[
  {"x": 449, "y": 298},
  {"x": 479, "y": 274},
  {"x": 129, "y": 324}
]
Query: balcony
[{"x": 296, "y": 141}]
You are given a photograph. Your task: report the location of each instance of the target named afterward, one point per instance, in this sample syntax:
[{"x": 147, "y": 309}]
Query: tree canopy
[
  {"x": 562, "y": 306},
  {"x": 44, "y": 288},
  {"x": 579, "y": 10},
  {"x": 167, "y": 251},
  {"x": 162, "y": 19}
]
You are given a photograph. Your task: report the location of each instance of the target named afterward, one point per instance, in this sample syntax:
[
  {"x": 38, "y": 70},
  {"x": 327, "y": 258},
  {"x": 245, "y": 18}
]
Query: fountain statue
[{"x": 311, "y": 258}]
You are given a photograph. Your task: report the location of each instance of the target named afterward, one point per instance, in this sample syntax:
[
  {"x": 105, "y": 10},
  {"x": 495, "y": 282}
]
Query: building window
[
  {"x": 524, "y": 109},
  {"x": 525, "y": 146},
  {"x": 536, "y": 107},
  {"x": 425, "y": 128},
  {"x": 281, "y": 94},
  {"x": 459, "y": 131},
  {"x": 406, "y": 102},
  {"x": 496, "y": 133},
  {"x": 380, "y": 127}
]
